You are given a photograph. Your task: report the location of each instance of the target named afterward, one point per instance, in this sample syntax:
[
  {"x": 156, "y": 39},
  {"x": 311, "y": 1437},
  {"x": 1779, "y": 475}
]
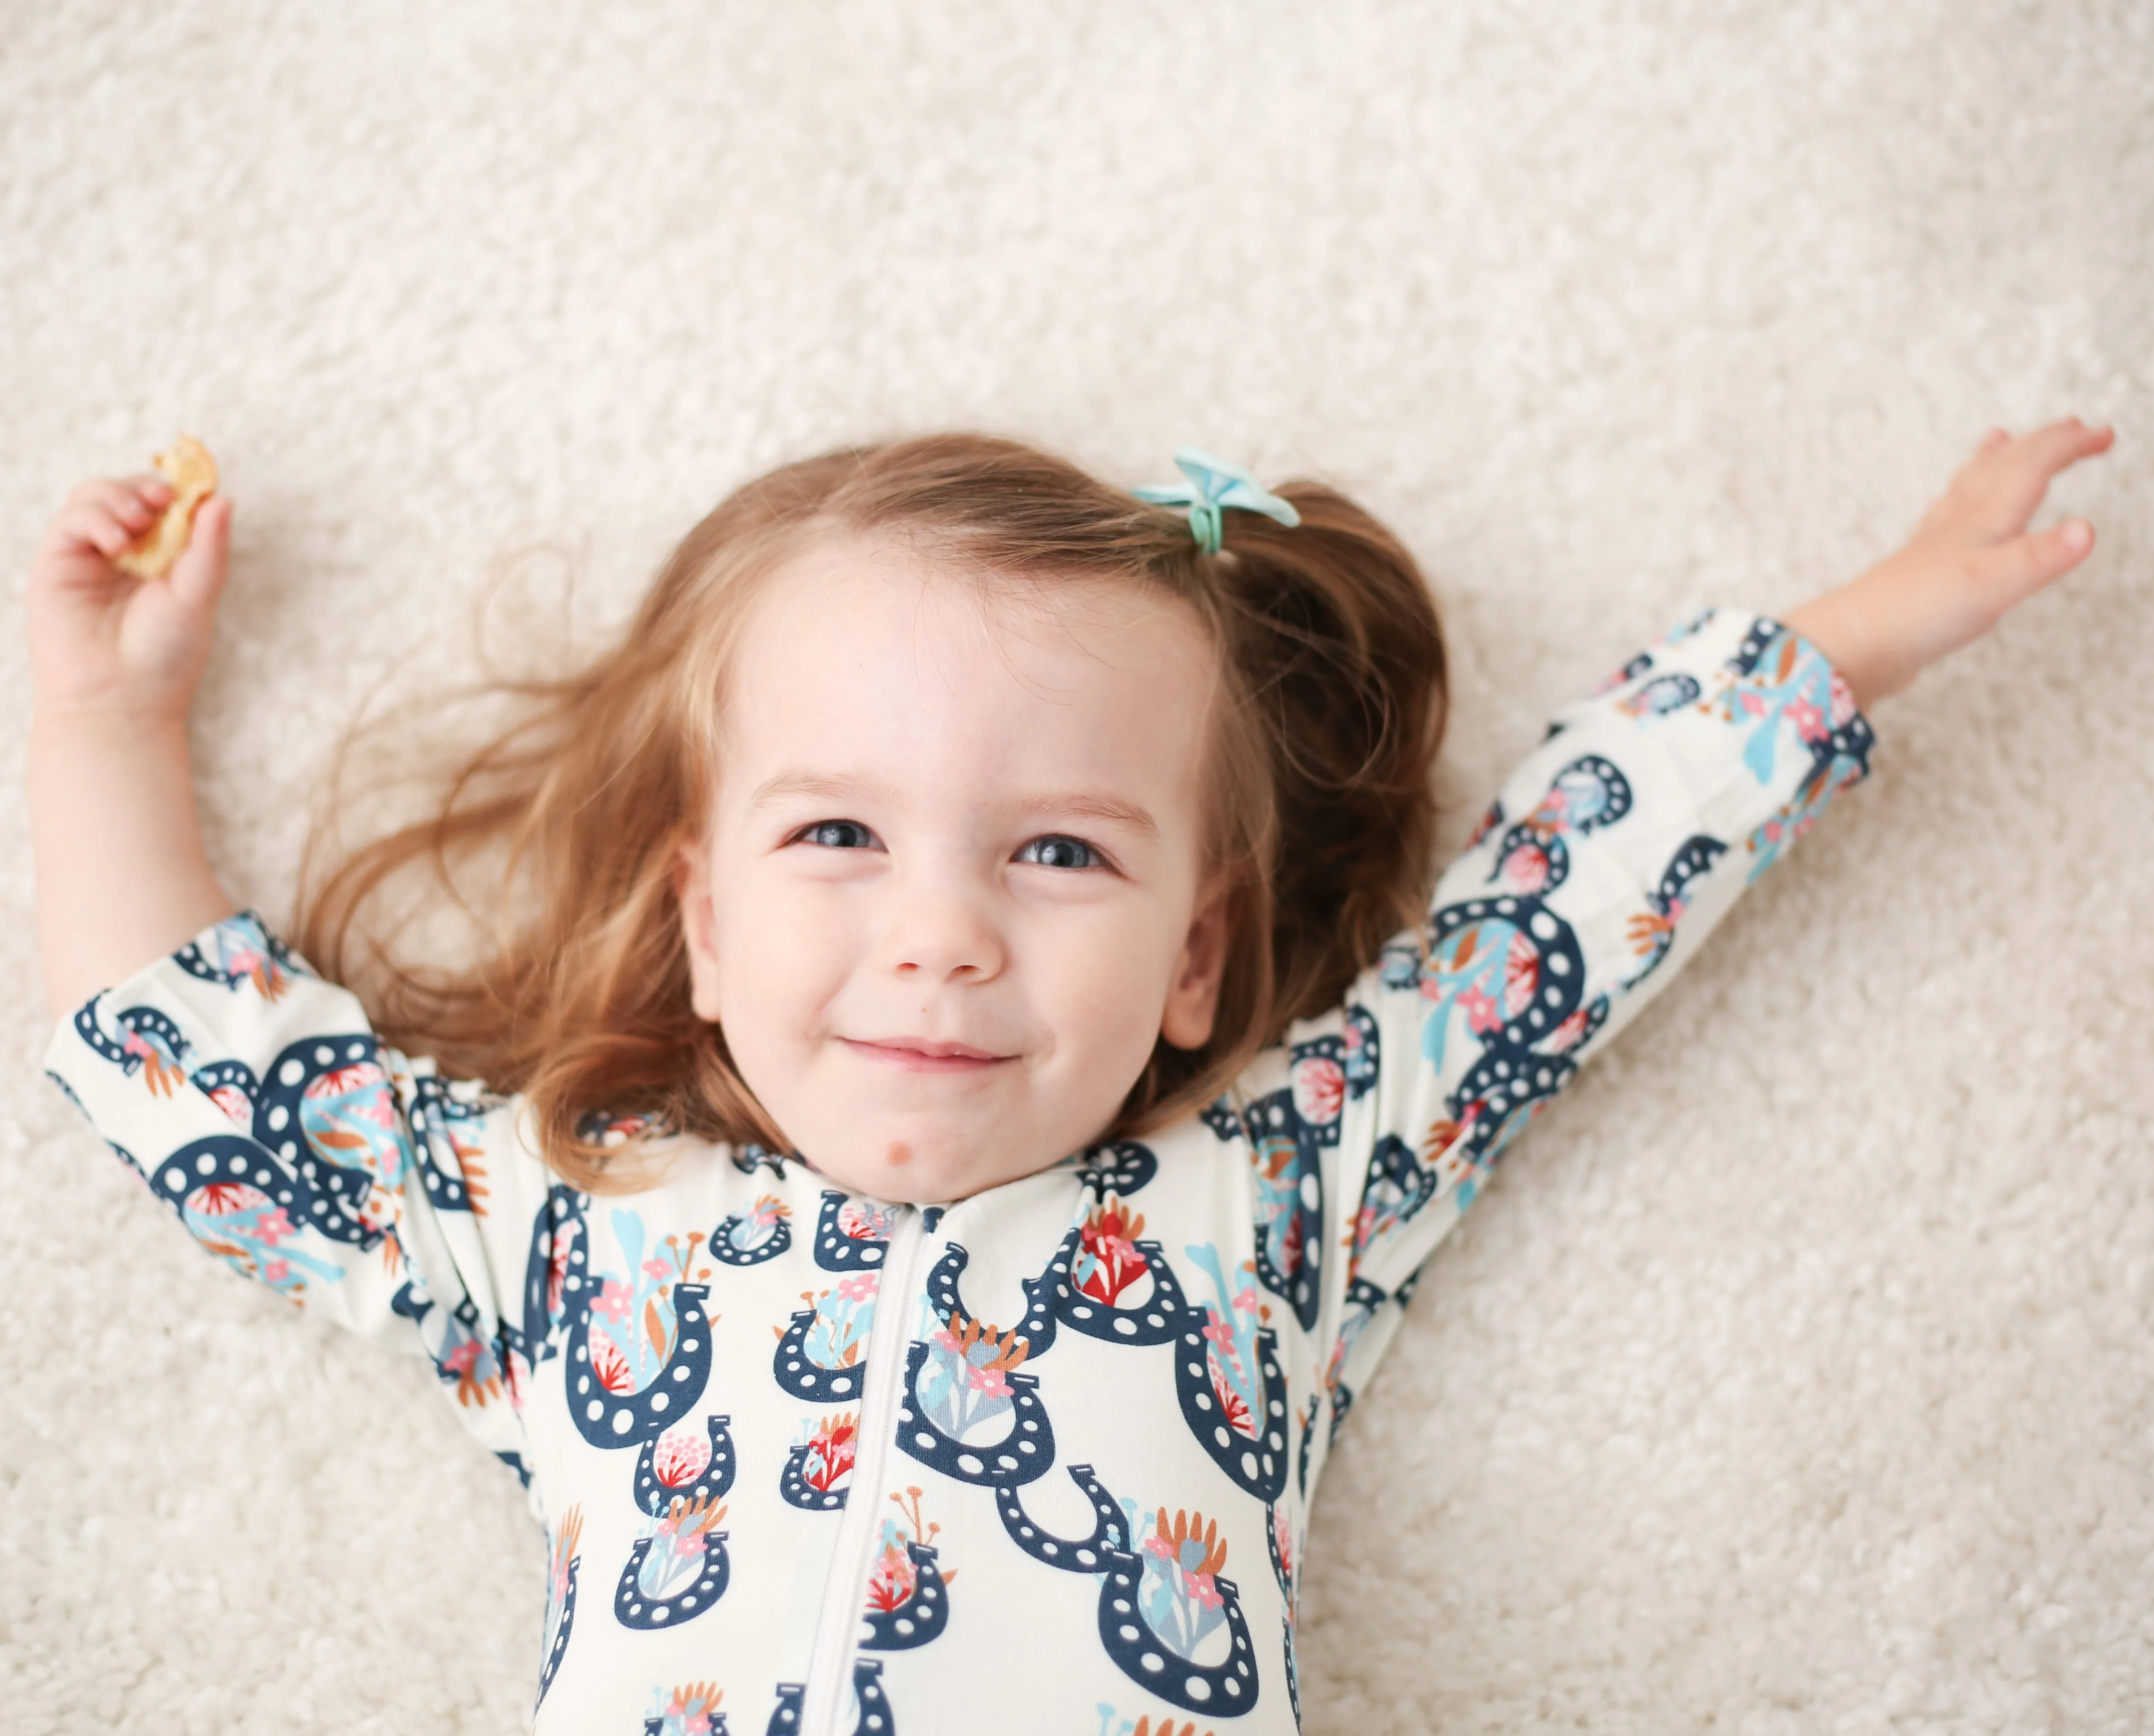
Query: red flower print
[
  {"x": 1570, "y": 1034},
  {"x": 1109, "y": 1238},
  {"x": 220, "y": 1199},
  {"x": 1320, "y": 1089},
  {"x": 1521, "y": 975},
  {"x": 233, "y": 1102},
  {"x": 830, "y": 1453},
  {"x": 610, "y": 1365},
  {"x": 1526, "y": 869},
  {"x": 557, "y": 1265},
  {"x": 679, "y": 1457}
]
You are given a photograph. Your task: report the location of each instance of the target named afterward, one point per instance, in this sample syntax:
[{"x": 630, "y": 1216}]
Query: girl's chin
[{"x": 915, "y": 1167}]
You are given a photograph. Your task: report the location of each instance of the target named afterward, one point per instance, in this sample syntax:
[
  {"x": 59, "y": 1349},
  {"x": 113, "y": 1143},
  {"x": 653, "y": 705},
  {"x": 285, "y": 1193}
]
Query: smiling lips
[{"x": 913, "y": 1055}]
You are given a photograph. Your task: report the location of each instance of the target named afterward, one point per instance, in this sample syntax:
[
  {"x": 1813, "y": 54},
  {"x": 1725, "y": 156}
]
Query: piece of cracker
[{"x": 188, "y": 466}]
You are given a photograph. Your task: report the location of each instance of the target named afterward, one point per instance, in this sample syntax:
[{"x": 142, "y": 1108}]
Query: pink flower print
[
  {"x": 612, "y": 1300},
  {"x": 1521, "y": 975},
  {"x": 159, "y": 1072},
  {"x": 1480, "y": 1010},
  {"x": 1808, "y": 721},
  {"x": 462, "y": 1358},
  {"x": 1320, "y": 1089},
  {"x": 681, "y": 1457},
  {"x": 657, "y": 1271},
  {"x": 1842, "y": 702},
  {"x": 269, "y": 978},
  {"x": 557, "y": 1265},
  {"x": 861, "y": 1287},
  {"x": 272, "y": 1227},
  {"x": 1526, "y": 868},
  {"x": 276, "y": 1272},
  {"x": 1192, "y": 1546},
  {"x": 233, "y": 1102},
  {"x": 861, "y": 1222},
  {"x": 987, "y": 1379},
  {"x": 1568, "y": 1034}
]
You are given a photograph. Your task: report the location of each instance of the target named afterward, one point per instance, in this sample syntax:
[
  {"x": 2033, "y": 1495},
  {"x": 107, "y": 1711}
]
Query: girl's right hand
[{"x": 102, "y": 640}]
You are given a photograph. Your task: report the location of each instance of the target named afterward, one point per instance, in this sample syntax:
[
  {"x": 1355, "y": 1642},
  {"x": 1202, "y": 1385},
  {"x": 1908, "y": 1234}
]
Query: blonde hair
[{"x": 1321, "y": 817}]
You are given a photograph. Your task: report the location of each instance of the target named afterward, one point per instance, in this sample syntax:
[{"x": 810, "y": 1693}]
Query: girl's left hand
[{"x": 1971, "y": 560}]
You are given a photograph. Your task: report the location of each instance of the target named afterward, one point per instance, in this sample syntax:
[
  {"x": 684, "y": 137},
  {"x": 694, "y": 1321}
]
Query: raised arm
[
  {"x": 251, "y": 1096},
  {"x": 122, "y": 878},
  {"x": 1611, "y": 851}
]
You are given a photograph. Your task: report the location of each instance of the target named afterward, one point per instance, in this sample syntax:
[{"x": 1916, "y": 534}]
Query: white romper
[{"x": 1039, "y": 1459}]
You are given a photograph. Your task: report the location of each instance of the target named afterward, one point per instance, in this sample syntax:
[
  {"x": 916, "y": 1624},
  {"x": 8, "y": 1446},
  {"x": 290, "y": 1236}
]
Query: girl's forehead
[
  {"x": 929, "y": 591},
  {"x": 858, "y": 648}
]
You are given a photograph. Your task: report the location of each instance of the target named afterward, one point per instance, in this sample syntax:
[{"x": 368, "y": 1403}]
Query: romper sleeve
[
  {"x": 255, "y": 1100},
  {"x": 1609, "y": 853}
]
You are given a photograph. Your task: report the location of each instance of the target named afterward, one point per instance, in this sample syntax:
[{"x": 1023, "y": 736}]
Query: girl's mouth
[{"x": 918, "y": 1055}]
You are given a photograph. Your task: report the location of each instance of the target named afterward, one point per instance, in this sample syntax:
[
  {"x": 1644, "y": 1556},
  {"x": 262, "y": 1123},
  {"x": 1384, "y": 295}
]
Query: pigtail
[{"x": 1335, "y": 635}]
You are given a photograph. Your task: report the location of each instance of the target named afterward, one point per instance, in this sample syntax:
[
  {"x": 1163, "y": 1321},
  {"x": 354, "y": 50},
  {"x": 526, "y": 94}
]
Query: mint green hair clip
[{"x": 1214, "y": 485}]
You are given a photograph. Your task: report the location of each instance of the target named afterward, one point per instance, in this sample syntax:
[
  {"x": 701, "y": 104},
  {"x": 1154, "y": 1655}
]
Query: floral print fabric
[{"x": 1041, "y": 1458}]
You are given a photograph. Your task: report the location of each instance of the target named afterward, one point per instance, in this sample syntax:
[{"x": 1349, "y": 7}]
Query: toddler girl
[{"x": 973, "y": 1067}]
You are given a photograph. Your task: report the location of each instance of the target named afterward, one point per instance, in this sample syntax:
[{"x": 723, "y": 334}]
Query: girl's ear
[
  {"x": 691, "y": 888},
  {"x": 1192, "y": 999}
]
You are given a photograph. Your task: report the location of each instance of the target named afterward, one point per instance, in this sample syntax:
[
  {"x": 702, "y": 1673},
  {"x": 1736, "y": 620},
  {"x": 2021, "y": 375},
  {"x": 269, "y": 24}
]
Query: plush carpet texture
[{"x": 1795, "y": 1374}]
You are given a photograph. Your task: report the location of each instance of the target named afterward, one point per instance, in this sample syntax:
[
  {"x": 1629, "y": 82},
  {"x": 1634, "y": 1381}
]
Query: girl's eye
[
  {"x": 837, "y": 834},
  {"x": 1059, "y": 852}
]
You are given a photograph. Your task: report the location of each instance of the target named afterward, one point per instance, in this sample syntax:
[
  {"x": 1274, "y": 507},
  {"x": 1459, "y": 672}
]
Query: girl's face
[{"x": 953, "y": 887}]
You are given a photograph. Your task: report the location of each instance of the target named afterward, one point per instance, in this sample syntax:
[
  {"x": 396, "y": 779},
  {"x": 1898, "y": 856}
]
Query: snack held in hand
[{"x": 188, "y": 466}]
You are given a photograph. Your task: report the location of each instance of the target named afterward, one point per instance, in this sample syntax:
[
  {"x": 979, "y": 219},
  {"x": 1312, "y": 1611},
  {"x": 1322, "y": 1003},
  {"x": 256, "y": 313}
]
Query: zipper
[{"x": 838, "y": 1629}]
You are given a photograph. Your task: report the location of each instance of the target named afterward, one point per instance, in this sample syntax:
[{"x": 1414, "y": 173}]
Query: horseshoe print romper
[{"x": 1040, "y": 1458}]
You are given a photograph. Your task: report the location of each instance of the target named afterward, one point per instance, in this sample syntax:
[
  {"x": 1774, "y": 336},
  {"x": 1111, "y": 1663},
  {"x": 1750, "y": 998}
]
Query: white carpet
[{"x": 1796, "y": 1375}]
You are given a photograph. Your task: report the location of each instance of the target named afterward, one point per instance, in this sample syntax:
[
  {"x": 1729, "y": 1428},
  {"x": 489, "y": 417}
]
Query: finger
[
  {"x": 123, "y": 500},
  {"x": 2024, "y": 565},
  {"x": 2066, "y": 442},
  {"x": 197, "y": 576},
  {"x": 1991, "y": 440},
  {"x": 152, "y": 487},
  {"x": 88, "y": 523}
]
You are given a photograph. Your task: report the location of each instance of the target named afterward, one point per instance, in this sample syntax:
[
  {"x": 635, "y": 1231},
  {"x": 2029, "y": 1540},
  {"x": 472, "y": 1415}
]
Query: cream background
[{"x": 1795, "y": 1376}]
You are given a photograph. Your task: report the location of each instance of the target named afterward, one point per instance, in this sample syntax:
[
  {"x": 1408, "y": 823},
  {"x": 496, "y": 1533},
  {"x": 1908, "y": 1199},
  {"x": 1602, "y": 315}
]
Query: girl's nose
[{"x": 943, "y": 937}]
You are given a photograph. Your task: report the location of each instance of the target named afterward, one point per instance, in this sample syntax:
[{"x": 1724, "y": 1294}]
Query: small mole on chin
[{"x": 900, "y": 1153}]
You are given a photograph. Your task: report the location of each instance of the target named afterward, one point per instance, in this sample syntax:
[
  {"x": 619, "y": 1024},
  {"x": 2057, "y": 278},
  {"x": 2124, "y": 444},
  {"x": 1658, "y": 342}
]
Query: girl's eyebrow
[
  {"x": 1114, "y": 808},
  {"x": 823, "y": 785},
  {"x": 841, "y": 787}
]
